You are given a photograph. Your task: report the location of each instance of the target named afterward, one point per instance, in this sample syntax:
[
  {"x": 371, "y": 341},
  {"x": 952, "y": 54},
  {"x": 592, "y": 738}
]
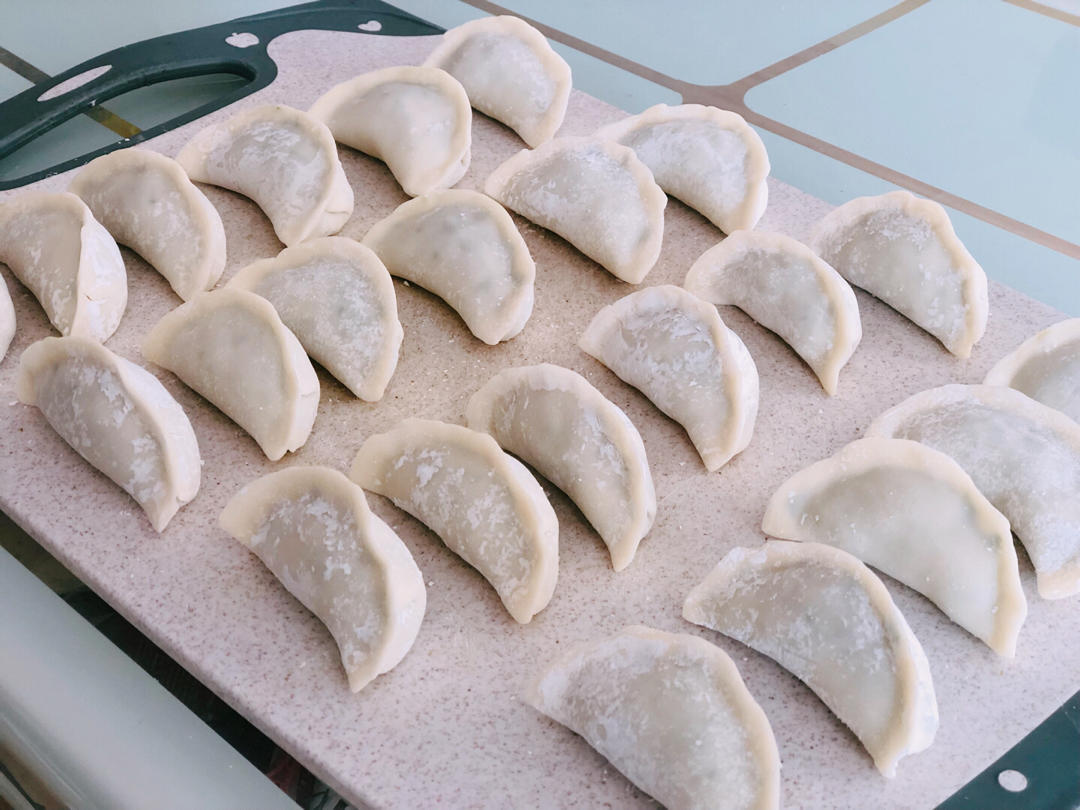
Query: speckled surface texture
[{"x": 448, "y": 727}]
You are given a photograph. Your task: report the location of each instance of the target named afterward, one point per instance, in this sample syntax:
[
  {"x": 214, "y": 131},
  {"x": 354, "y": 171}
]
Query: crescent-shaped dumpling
[
  {"x": 7, "y": 319},
  {"x": 671, "y": 713},
  {"x": 416, "y": 120},
  {"x": 1046, "y": 367},
  {"x": 825, "y": 617},
  {"x": 484, "y": 505},
  {"x": 337, "y": 298},
  {"x": 914, "y": 514},
  {"x": 708, "y": 158},
  {"x": 54, "y": 246},
  {"x": 462, "y": 246},
  {"x": 312, "y": 528},
  {"x": 231, "y": 347},
  {"x": 554, "y": 420},
  {"x": 1023, "y": 456},
  {"x": 785, "y": 287},
  {"x": 118, "y": 417},
  {"x": 510, "y": 72},
  {"x": 675, "y": 349},
  {"x": 595, "y": 194},
  {"x": 146, "y": 201},
  {"x": 903, "y": 250},
  {"x": 284, "y": 160}
]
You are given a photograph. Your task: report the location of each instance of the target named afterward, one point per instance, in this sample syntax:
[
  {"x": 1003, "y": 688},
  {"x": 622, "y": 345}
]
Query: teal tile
[
  {"x": 149, "y": 106},
  {"x": 74, "y": 137},
  {"x": 976, "y": 98},
  {"x": 11, "y": 83}
]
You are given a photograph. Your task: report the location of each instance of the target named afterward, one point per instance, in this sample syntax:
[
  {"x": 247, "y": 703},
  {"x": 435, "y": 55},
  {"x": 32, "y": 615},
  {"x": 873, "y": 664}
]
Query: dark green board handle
[{"x": 1049, "y": 757}]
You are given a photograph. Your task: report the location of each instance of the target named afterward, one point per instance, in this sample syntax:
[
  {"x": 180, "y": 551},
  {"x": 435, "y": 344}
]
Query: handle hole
[
  {"x": 74, "y": 83},
  {"x": 1013, "y": 781}
]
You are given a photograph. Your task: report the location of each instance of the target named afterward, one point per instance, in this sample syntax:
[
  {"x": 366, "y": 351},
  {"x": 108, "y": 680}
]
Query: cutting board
[{"x": 448, "y": 727}]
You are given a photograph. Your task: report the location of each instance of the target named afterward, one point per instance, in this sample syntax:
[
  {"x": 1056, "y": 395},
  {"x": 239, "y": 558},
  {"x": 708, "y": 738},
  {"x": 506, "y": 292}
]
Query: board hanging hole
[
  {"x": 74, "y": 83},
  {"x": 242, "y": 40},
  {"x": 370, "y": 25}
]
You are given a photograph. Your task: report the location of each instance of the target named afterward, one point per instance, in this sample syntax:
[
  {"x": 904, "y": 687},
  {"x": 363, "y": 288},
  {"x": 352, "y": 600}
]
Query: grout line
[
  {"x": 732, "y": 97},
  {"x": 99, "y": 113},
  {"x": 1046, "y": 11}
]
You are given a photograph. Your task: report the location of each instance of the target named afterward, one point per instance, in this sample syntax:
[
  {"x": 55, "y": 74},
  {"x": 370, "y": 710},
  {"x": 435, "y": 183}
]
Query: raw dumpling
[
  {"x": 231, "y": 347},
  {"x": 1046, "y": 367},
  {"x": 594, "y": 194},
  {"x": 823, "y": 615},
  {"x": 711, "y": 159},
  {"x": 553, "y": 420},
  {"x": 7, "y": 319},
  {"x": 416, "y": 120},
  {"x": 118, "y": 417},
  {"x": 284, "y": 160},
  {"x": 782, "y": 285},
  {"x": 674, "y": 348},
  {"x": 146, "y": 201},
  {"x": 670, "y": 711},
  {"x": 337, "y": 298},
  {"x": 53, "y": 245},
  {"x": 484, "y": 505},
  {"x": 903, "y": 250},
  {"x": 312, "y": 528},
  {"x": 912, "y": 513},
  {"x": 462, "y": 246},
  {"x": 510, "y": 72},
  {"x": 1023, "y": 456}
]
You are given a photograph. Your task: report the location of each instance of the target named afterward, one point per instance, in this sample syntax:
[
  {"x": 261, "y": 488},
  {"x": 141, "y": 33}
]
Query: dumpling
[
  {"x": 594, "y": 194},
  {"x": 510, "y": 72},
  {"x": 146, "y": 201},
  {"x": 912, "y": 513},
  {"x": 1046, "y": 367},
  {"x": 671, "y": 713},
  {"x": 53, "y": 245},
  {"x": 118, "y": 417},
  {"x": 782, "y": 285},
  {"x": 312, "y": 528},
  {"x": 484, "y": 505},
  {"x": 284, "y": 160},
  {"x": 416, "y": 120},
  {"x": 1023, "y": 456},
  {"x": 903, "y": 250},
  {"x": 462, "y": 246},
  {"x": 823, "y": 615},
  {"x": 231, "y": 347},
  {"x": 7, "y": 319},
  {"x": 674, "y": 348},
  {"x": 337, "y": 298},
  {"x": 711, "y": 159},
  {"x": 554, "y": 420}
]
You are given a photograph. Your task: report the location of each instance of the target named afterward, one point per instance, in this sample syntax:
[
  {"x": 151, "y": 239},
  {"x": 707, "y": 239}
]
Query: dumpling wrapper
[
  {"x": 914, "y": 514},
  {"x": 1046, "y": 367},
  {"x": 595, "y": 194},
  {"x": 55, "y": 247},
  {"x": 337, "y": 298},
  {"x": 786, "y": 288},
  {"x": 675, "y": 349},
  {"x": 555, "y": 421},
  {"x": 312, "y": 528},
  {"x": 483, "y": 504},
  {"x": 823, "y": 615},
  {"x": 510, "y": 73},
  {"x": 7, "y": 319},
  {"x": 416, "y": 120},
  {"x": 146, "y": 201},
  {"x": 284, "y": 160},
  {"x": 118, "y": 417},
  {"x": 671, "y": 713},
  {"x": 903, "y": 250},
  {"x": 708, "y": 158},
  {"x": 462, "y": 246},
  {"x": 231, "y": 347},
  {"x": 1023, "y": 456}
]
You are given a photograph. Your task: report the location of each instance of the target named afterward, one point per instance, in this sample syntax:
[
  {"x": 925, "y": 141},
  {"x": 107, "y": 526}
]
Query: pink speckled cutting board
[{"x": 447, "y": 727}]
